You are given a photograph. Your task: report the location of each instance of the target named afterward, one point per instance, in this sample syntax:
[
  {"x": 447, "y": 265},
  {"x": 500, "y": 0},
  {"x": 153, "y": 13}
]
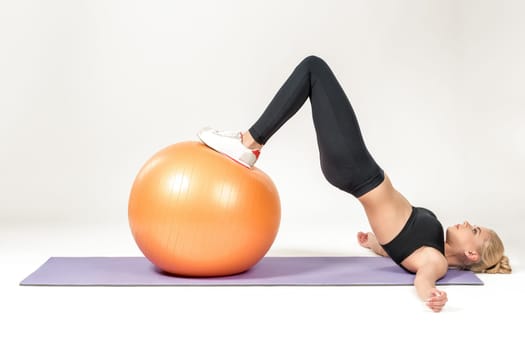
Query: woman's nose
[{"x": 466, "y": 223}]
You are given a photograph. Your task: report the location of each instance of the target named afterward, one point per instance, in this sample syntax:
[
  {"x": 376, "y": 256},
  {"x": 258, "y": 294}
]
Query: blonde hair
[{"x": 492, "y": 259}]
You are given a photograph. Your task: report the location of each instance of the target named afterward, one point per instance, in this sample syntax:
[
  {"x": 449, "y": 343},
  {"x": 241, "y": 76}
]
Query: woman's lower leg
[{"x": 345, "y": 160}]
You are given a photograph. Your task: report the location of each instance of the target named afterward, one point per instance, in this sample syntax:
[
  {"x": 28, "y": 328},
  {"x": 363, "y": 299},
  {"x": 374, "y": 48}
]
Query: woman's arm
[
  {"x": 425, "y": 282},
  {"x": 433, "y": 267}
]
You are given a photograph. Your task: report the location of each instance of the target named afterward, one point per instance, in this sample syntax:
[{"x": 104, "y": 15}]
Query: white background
[{"x": 89, "y": 90}]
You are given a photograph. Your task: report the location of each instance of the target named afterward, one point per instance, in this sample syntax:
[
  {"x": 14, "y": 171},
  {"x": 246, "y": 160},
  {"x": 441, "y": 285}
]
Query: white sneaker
[{"x": 230, "y": 144}]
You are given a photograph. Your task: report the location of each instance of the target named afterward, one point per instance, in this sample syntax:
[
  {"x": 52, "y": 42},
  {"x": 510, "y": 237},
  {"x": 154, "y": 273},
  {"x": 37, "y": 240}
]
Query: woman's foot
[
  {"x": 249, "y": 141},
  {"x": 230, "y": 144}
]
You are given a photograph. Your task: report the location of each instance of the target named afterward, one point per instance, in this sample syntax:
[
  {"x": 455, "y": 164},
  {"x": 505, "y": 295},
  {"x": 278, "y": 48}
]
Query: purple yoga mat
[{"x": 282, "y": 271}]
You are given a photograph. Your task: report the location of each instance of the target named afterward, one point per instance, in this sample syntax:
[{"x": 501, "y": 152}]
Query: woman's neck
[{"x": 453, "y": 257}]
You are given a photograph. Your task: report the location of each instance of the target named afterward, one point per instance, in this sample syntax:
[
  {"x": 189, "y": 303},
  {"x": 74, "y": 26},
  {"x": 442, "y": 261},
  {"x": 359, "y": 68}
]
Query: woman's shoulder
[{"x": 426, "y": 256}]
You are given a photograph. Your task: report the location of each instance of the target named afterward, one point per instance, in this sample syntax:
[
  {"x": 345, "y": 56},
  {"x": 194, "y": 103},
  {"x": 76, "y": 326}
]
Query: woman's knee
[
  {"x": 333, "y": 172},
  {"x": 335, "y": 179},
  {"x": 314, "y": 63}
]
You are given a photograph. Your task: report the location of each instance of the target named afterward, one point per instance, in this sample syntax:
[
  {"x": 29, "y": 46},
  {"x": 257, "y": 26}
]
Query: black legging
[{"x": 345, "y": 160}]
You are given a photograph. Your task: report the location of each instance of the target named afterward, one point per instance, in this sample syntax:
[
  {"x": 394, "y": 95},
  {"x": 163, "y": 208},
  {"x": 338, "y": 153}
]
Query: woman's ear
[{"x": 472, "y": 256}]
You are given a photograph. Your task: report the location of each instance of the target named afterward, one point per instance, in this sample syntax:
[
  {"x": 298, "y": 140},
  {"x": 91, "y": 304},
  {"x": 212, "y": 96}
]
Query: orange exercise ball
[{"x": 195, "y": 212}]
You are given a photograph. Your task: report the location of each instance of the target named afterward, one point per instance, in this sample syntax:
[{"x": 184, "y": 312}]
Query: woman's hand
[
  {"x": 369, "y": 240},
  {"x": 437, "y": 300},
  {"x": 362, "y": 239}
]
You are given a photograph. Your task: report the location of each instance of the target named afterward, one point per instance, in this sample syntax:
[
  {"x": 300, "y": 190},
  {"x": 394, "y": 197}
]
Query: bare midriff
[{"x": 387, "y": 210}]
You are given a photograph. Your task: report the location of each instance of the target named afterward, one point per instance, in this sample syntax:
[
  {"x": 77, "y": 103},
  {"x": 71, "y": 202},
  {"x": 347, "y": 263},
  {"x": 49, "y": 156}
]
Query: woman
[{"x": 412, "y": 236}]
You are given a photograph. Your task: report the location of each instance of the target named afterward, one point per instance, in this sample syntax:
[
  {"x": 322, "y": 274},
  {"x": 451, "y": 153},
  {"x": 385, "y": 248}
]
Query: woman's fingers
[
  {"x": 437, "y": 301},
  {"x": 362, "y": 237}
]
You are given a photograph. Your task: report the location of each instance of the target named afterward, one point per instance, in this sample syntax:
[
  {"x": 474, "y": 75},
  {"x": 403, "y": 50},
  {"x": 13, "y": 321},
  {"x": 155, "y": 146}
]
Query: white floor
[{"x": 484, "y": 317}]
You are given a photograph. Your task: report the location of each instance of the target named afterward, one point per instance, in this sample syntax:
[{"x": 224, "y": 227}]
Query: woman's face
[{"x": 467, "y": 237}]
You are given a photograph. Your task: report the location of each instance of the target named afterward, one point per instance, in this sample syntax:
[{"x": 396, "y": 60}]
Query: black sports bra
[{"x": 421, "y": 229}]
